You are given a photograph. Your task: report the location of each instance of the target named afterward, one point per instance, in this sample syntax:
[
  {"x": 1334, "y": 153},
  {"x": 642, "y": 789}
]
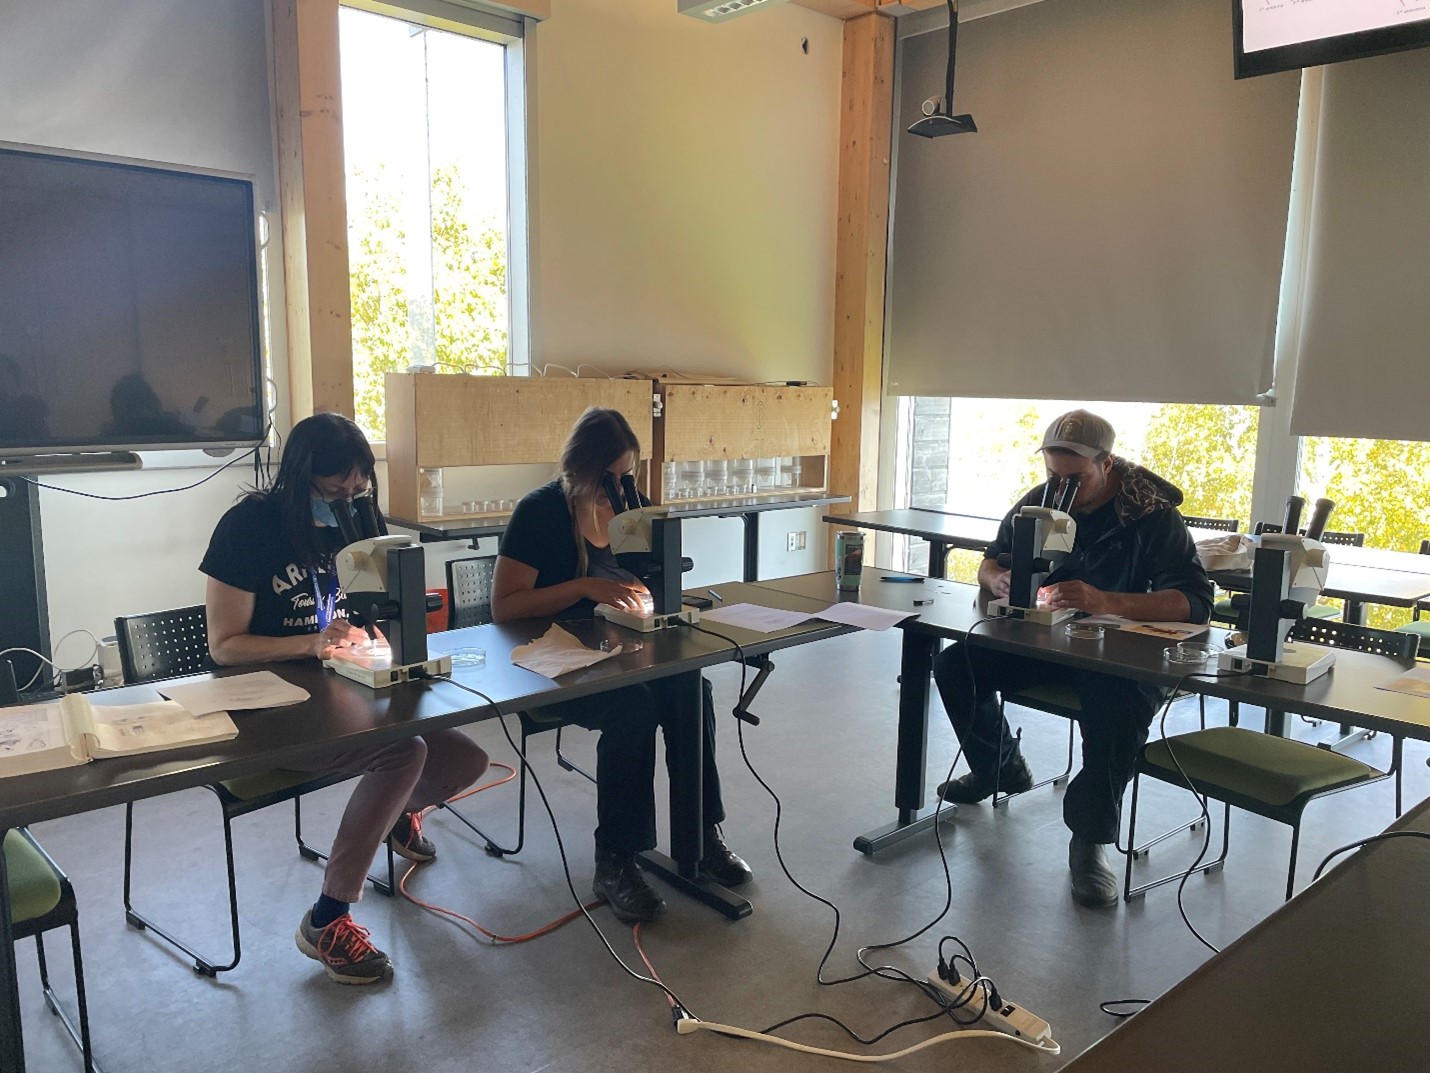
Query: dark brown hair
[{"x": 599, "y": 437}]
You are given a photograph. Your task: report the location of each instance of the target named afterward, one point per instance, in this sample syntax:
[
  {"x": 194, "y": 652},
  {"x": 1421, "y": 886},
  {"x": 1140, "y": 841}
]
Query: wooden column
[
  {"x": 867, "y": 101},
  {"x": 313, "y": 195}
]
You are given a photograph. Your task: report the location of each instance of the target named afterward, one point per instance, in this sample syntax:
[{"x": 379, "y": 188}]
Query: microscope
[
  {"x": 1042, "y": 538},
  {"x": 384, "y": 582},
  {"x": 646, "y": 541},
  {"x": 1288, "y": 572}
]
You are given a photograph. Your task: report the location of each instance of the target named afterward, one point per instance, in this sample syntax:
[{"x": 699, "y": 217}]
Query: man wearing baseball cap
[{"x": 1132, "y": 556}]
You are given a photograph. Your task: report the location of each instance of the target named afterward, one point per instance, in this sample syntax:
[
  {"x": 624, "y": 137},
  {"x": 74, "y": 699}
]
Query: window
[
  {"x": 977, "y": 456},
  {"x": 425, "y": 130}
]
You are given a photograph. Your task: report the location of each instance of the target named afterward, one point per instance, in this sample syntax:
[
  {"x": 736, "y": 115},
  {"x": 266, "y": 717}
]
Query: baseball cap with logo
[{"x": 1081, "y": 432}]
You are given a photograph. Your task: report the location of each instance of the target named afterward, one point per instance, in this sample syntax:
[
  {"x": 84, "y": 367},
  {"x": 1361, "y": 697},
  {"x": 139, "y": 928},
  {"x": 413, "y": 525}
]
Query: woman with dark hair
[
  {"x": 556, "y": 560},
  {"x": 273, "y": 595}
]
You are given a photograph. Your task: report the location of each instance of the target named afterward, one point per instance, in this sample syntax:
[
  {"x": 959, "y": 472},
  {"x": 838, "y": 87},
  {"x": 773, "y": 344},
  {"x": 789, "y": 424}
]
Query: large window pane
[
  {"x": 424, "y": 128},
  {"x": 976, "y": 456}
]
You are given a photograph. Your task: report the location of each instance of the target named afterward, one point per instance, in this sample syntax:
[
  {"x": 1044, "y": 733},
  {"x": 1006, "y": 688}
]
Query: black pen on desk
[{"x": 715, "y": 596}]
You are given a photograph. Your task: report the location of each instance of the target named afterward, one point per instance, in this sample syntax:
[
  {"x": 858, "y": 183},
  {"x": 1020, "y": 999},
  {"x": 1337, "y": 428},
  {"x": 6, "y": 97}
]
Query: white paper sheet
[
  {"x": 237, "y": 693},
  {"x": 1170, "y": 631},
  {"x": 1416, "y": 683},
  {"x": 557, "y": 652},
  {"x": 755, "y": 617},
  {"x": 864, "y": 616}
]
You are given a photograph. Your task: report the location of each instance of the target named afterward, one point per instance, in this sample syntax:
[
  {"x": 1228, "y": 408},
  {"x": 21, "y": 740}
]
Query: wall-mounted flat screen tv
[
  {"x": 129, "y": 313},
  {"x": 1285, "y": 35}
]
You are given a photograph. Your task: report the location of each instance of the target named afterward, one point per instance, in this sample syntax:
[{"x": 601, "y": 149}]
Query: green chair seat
[
  {"x": 1256, "y": 766},
  {"x": 1223, "y": 611},
  {"x": 278, "y": 780},
  {"x": 34, "y": 886},
  {"x": 1420, "y": 628},
  {"x": 1323, "y": 611}
]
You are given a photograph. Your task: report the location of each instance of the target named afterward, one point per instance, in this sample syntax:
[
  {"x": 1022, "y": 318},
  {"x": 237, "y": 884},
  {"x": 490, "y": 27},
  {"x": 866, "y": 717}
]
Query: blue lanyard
[{"x": 327, "y": 605}]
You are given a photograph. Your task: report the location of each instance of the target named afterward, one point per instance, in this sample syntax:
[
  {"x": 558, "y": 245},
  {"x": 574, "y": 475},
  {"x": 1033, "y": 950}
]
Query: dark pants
[
  {"x": 1116, "y": 714},
  {"x": 625, "y": 757}
]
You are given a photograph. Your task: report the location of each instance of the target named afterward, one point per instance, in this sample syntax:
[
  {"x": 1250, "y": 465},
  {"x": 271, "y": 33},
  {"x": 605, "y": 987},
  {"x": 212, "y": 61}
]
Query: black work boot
[
  {"x": 721, "y": 863},
  {"x": 977, "y": 785},
  {"x": 619, "y": 881},
  {"x": 1093, "y": 882}
]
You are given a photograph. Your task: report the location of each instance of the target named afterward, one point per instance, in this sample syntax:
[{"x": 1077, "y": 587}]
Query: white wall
[
  {"x": 686, "y": 183},
  {"x": 172, "y": 81}
]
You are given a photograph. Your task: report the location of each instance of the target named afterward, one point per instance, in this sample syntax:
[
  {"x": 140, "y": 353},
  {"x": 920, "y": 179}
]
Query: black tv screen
[
  {"x": 129, "y": 315},
  {"x": 1285, "y": 35}
]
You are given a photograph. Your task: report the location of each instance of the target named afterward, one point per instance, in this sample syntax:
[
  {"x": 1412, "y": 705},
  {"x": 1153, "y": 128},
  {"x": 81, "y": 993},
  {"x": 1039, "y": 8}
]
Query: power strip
[{"x": 1008, "y": 1018}]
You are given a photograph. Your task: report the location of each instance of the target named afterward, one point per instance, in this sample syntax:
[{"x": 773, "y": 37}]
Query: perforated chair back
[
  {"x": 162, "y": 644},
  {"x": 1358, "y": 638},
  {"x": 1220, "y": 525},
  {"x": 1268, "y": 527},
  {"x": 1349, "y": 540},
  {"x": 469, "y": 582}
]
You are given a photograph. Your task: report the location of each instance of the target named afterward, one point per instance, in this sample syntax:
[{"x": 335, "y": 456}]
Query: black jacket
[{"x": 1147, "y": 550}]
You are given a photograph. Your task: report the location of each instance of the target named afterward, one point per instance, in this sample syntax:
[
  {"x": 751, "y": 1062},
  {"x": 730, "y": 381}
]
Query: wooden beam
[
  {"x": 840, "y": 9},
  {"x": 867, "y": 102},
  {"x": 313, "y": 196}
]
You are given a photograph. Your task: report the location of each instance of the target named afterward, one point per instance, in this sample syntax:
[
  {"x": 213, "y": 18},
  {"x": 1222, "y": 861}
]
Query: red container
[{"x": 437, "y": 620}]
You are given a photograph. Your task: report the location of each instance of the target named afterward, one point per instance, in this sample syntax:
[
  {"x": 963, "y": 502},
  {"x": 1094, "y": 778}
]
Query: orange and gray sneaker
[
  {"x": 407, "y": 839},
  {"x": 344, "y": 950}
]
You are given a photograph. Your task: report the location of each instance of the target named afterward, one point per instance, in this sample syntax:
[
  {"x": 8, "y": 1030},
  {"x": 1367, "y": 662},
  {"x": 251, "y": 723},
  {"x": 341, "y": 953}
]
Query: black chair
[
  {"x": 1271, "y": 776},
  {"x": 42, "y": 899},
  {"x": 169, "y": 644},
  {"x": 1220, "y": 525},
  {"x": 469, "y": 586}
]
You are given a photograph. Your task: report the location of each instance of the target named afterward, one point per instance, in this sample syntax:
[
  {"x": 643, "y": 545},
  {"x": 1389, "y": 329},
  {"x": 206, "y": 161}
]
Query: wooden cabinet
[{"x": 443, "y": 421}]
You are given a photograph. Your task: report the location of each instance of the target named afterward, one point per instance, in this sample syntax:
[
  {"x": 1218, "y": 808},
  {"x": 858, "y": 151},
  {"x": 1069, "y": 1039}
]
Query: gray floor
[{"x": 560, "y": 1003}]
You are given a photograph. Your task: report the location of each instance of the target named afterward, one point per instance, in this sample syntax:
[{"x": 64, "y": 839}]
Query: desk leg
[
  {"x": 12, "y": 1043},
  {"x": 915, "y": 668},
  {"x": 687, "y": 823},
  {"x": 752, "y": 545},
  {"x": 938, "y": 559}
]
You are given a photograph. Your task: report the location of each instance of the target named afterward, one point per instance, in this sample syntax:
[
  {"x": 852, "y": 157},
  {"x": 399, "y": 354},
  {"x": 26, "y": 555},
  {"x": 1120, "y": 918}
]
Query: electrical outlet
[{"x": 795, "y": 541}]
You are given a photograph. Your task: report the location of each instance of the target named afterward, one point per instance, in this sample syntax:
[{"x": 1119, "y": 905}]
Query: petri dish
[
  {"x": 1085, "y": 631},
  {"x": 1188, "y": 654}
]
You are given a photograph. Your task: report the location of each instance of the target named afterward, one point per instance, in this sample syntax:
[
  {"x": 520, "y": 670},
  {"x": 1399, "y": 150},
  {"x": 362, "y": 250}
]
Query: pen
[{"x": 715, "y": 596}]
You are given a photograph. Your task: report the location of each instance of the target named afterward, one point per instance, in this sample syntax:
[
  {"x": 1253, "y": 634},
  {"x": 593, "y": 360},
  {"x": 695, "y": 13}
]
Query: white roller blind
[
  {"x": 1114, "y": 230},
  {"x": 1366, "y": 318}
]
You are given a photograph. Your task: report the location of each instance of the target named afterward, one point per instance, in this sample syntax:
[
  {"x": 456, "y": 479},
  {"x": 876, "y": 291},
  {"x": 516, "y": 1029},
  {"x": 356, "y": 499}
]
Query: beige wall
[{"x": 685, "y": 189}]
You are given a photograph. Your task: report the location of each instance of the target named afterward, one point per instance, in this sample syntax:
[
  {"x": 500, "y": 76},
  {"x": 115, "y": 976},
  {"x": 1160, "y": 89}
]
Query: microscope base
[
  {"x": 1299, "y": 664},
  {"x": 647, "y": 623},
  {"x": 1035, "y": 615},
  {"x": 380, "y": 674}
]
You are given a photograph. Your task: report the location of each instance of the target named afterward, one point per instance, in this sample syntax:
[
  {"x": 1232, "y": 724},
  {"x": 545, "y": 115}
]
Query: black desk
[
  {"x": 942, "y": 529},
  {"x": 1348, "y": 690},
  {"x": 1336, "y": 979},
  {"x": 747, "y": 508},
  {"x": 341, "y": 714}
]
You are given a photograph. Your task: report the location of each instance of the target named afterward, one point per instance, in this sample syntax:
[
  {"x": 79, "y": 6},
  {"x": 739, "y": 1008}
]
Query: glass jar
[{"x": 429, "y": 483}]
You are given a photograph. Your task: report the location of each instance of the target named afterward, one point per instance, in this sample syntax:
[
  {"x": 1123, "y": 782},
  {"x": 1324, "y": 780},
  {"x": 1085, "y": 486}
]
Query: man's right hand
[
  {"x": 625, "y": 595},
  {"x": 994, "y": 578}
]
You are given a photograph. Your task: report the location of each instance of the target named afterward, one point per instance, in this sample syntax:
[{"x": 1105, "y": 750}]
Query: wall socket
[{"x": 795, "y": 541}]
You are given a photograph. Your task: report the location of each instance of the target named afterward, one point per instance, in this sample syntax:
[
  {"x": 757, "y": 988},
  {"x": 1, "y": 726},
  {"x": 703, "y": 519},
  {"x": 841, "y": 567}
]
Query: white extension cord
[{"x": 687, "y": 1025}]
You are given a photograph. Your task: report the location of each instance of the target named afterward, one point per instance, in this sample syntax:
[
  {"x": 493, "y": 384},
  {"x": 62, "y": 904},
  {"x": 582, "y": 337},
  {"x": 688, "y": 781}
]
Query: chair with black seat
[
  {"x": 1417, "y": 626},
  {"x": 1271, "y": 776},
  {"x": 42, "y": 899},
  {"x": 469, "y": 583},
  {"x": 170, "y": 644}
]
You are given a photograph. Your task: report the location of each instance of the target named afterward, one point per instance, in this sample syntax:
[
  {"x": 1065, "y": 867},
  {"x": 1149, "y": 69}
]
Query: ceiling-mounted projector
[
  {"x": 721, "y": 10},
  {"x": 938, "y": 117}
]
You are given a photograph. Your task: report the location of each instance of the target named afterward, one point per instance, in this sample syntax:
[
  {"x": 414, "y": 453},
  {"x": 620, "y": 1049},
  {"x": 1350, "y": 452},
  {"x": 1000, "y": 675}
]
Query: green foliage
[
  {"x": 1209, "y": 452},
  {"x": 469, "y": 289}
]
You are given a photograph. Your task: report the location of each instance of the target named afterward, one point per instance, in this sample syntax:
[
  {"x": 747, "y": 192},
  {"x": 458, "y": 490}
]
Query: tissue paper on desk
[
  {"x": 1235, "y": 551},
  {"x": 556, "y": 653}
]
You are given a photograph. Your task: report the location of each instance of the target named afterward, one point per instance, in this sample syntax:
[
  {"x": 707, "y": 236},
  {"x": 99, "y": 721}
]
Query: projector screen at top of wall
[{"x": 1284, "y": 35}]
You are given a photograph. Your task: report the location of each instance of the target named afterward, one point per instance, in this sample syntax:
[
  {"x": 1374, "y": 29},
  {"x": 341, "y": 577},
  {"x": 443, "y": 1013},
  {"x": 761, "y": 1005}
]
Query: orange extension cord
[{"x": 454, "y": 915}]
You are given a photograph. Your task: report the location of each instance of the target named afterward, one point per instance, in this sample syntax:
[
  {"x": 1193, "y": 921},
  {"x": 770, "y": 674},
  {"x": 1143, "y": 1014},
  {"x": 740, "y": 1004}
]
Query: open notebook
[{"x": 72, "y": 731}]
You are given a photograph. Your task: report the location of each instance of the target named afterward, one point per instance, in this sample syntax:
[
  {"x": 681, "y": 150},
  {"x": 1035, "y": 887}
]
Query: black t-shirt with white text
[{"x": 249, "y": 551}]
